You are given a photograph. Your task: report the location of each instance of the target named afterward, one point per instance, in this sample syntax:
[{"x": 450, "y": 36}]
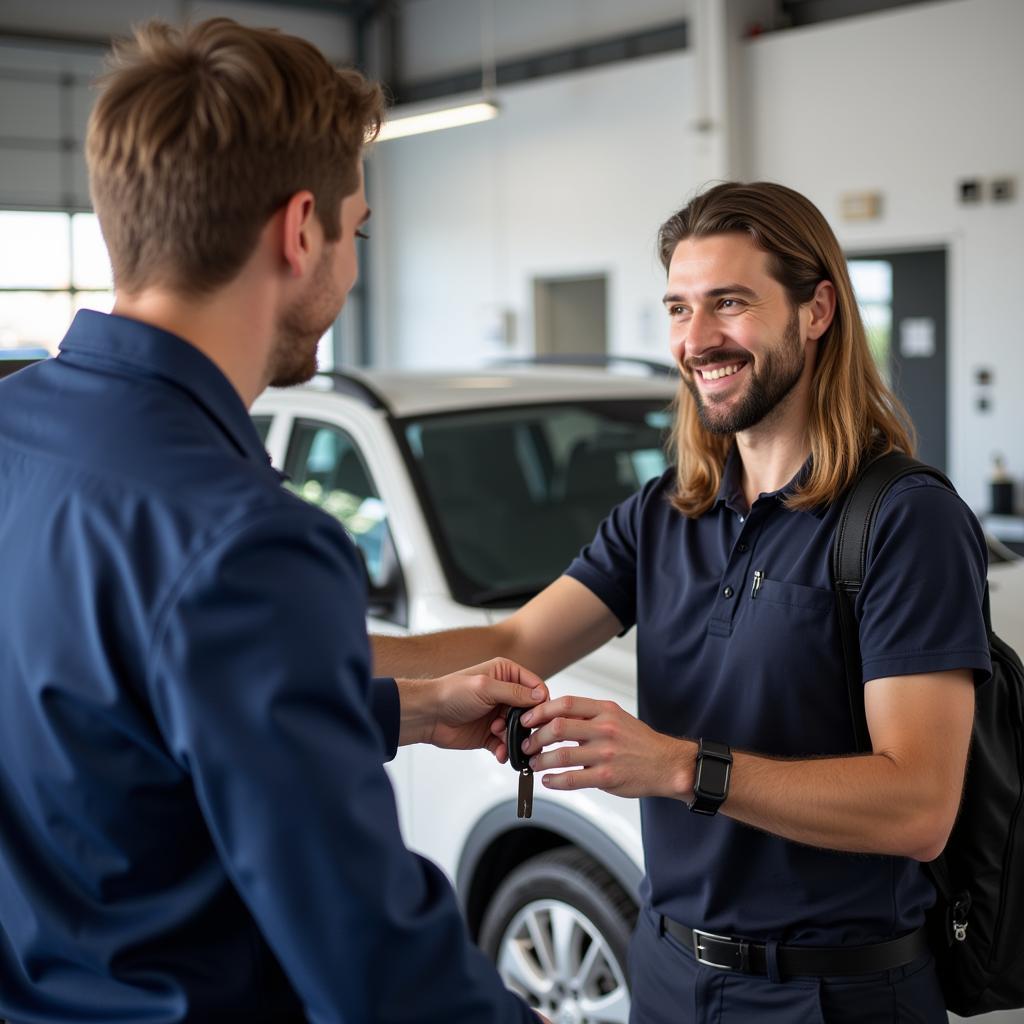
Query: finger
[
  {"x": 557, "y": 730},
  {"x": 499, "y": 725},
  {"x": 566, "y": 757},
  {"x": 516, "y": 695},
  {"x": 580, "y": 778},
  {"x": 507, "y": 671},
  {"x": 513, "y": 672},
  {"x": 497, "y": 748},
  {"x": 564, "y": 707}
]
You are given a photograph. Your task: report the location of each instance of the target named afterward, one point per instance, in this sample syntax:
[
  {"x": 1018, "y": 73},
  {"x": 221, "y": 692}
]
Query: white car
[{"x": 468, "y": 493}]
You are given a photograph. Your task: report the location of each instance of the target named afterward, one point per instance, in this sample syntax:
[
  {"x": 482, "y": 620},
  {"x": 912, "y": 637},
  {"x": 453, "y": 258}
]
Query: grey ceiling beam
[{"x": 661, "y": 39}]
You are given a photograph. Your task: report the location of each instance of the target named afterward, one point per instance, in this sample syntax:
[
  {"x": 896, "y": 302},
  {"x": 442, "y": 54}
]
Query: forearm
[
  {"x": 861, "y": 804},
  {"x": 435, "y": 654}
]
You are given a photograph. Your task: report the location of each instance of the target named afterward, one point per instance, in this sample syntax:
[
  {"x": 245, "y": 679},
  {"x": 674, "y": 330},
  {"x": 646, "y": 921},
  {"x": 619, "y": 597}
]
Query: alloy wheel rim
[{"x": 556, "y": 958}]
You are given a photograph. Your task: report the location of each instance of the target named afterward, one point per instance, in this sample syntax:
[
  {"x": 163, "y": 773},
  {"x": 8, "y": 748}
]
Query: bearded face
[
  {"x": 303, "y": 324},
  {"x": 771, "y": 378}
]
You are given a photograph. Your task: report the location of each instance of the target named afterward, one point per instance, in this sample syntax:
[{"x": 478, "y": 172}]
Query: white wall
[
  {"x": 573, "y": 178},
  {"x": 908, "y": 102}
]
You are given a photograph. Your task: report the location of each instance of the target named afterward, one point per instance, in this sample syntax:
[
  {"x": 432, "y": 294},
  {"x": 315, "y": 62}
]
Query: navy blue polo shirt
[
  {"x": 762, "y": 670},
  {"x": 195, "y": 821}
]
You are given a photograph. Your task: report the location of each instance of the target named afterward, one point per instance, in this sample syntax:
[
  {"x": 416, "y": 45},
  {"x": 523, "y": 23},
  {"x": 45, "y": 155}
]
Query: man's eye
[
  {"x": 362, "y": 234},
  {"x": 677, "y": 311},
  {"x": 731, "y": 305}
]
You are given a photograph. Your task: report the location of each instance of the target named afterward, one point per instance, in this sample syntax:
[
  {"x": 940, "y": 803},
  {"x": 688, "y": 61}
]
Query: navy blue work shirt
[
  {"x": 195, "y": 820},
  {"x": 762, "y": 670}
]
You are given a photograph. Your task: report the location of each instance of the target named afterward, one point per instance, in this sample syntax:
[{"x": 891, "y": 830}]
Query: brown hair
[
  {"x": 852, "y": 410},
  {"x": 201, "y": 133}
]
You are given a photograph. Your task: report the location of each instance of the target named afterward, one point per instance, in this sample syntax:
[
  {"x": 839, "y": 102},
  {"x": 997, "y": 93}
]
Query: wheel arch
[{"x": 500, "y": 842}]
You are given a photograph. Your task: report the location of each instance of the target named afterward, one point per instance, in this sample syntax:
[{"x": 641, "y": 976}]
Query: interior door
[{"x": 903, "y": 298}]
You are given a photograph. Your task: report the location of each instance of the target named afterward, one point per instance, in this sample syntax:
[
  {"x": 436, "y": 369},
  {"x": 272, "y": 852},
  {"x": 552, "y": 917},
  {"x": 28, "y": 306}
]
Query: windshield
[{"x": 513, "y": 494}]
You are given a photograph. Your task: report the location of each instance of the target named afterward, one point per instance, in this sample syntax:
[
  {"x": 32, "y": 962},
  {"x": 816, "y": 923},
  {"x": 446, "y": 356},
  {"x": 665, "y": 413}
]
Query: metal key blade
[{"x": 524, "y": 808}]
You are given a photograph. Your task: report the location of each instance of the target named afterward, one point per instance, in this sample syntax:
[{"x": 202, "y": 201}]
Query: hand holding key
[
  {"x": 609, "y": 748},
  {"x": 465, "y": 710}
]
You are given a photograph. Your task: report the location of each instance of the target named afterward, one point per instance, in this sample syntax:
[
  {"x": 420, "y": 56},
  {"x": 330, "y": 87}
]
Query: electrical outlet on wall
[
  {"x": 969, "y": 190},
  {"x": 1002, "y": 189}
]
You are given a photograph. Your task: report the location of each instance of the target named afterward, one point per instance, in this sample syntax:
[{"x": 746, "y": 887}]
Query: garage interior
[{"x": 532, "y": 233}]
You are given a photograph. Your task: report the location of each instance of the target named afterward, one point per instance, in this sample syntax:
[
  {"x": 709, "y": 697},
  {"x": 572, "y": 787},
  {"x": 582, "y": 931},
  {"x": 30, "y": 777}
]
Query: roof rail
[
  {"x": 652, "y": 366},
  {"x": 348, "y": 384}
]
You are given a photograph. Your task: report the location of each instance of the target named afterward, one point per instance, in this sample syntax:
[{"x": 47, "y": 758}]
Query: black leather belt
[{"x": 730, "y": 954}]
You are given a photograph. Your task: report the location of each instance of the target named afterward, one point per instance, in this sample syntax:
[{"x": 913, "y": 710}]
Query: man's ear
[
  {"x": 822, "y": 309},
  {"x": 299, "y": 225}
]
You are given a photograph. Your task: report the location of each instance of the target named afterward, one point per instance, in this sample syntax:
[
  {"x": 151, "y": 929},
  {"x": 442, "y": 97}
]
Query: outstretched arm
[{"x": 562, "y": 624}]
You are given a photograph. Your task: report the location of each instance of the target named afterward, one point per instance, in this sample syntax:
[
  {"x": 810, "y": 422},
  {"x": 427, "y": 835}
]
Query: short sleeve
[
  {"x": 921, "y": 606},
  {"x": 607, "y": 565}
]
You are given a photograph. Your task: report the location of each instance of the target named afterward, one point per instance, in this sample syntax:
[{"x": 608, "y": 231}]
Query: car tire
[{"x": 558, "y": 929}]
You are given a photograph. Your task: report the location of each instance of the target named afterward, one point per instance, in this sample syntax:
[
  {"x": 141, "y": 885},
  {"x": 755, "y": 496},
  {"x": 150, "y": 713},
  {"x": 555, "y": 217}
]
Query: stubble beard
[
  {"x": 767, "y": 389},
  {"x": 293, "y": 357}
]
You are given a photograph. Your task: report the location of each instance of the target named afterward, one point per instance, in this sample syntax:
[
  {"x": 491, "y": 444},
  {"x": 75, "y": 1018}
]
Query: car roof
[{"x": 418, "y": 393}]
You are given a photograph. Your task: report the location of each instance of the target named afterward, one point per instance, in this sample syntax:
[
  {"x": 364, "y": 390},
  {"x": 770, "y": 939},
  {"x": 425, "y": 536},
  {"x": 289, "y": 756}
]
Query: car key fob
[{"x": 515, "y": 733}]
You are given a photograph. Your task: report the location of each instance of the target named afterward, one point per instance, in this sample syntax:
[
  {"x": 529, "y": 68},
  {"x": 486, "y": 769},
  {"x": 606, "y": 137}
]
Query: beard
[
  {"x": 781, "y": 368},
  {"x": 302, "y": 325}
]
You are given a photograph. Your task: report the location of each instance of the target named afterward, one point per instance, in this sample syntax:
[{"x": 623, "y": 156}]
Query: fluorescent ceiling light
[{"x": 434, "y": 120}]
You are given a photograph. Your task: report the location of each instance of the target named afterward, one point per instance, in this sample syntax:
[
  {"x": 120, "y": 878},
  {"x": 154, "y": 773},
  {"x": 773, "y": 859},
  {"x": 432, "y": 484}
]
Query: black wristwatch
[{"x": 711, "y": 780}]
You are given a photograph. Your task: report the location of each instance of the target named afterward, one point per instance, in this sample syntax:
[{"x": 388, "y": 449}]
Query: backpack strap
[{"x": 849, "y": 560}]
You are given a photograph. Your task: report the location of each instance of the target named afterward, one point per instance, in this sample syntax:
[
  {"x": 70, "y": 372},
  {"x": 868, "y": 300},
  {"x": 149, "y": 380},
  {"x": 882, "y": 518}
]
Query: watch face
[{"x": 712, "y": 778}]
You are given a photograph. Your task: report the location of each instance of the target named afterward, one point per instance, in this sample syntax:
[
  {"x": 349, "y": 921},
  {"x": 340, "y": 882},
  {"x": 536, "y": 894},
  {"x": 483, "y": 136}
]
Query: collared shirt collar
[
  {"x": 730, "y": 490},
  {"x": 131, "y": 347}
]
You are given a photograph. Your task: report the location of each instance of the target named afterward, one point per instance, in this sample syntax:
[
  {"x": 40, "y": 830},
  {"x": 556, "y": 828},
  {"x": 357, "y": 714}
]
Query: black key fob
[{"x": 515, "y": 733}]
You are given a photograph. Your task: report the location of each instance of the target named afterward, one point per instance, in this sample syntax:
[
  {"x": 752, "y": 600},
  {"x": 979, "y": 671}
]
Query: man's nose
[{"x": 703, "y": 333}]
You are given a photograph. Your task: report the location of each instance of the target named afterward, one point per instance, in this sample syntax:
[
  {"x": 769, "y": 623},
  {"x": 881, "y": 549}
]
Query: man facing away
[
  {"x": 788, "y": 884},
  {"x": 195, "y": 822}
]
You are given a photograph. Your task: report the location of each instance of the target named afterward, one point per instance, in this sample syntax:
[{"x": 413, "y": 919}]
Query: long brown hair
[
  {"x": 200, "y": 133},
  {"x": 852, "y": 409}
]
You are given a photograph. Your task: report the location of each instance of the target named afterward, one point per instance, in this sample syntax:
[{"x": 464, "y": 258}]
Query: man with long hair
[
  {"x": 195, "y": 820},
  {"x": 784, "y": 873}
]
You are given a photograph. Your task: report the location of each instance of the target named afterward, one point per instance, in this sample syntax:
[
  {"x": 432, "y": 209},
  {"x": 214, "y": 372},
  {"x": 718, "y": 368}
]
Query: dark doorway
[
  {"x": 903, "y": 298},
  {"x": 571, "y": 316}
]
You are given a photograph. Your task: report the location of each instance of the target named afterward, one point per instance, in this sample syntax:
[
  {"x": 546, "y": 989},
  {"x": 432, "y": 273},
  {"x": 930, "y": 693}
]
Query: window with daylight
[
  {"x": 51, "y": 266},
  {"x": 872, "y": 286}
]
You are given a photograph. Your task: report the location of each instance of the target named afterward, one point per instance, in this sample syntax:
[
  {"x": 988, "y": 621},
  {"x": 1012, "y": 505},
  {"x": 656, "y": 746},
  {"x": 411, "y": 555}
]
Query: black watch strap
[{"x": 711, "y": 779}]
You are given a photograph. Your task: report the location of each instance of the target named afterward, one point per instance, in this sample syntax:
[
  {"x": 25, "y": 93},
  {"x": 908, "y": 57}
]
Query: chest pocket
[{"x": 795, "y": 595}]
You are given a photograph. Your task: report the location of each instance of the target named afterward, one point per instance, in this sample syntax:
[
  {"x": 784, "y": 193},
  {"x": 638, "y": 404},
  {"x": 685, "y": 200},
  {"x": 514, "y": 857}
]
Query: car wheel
[{"x": 558, "y": 928}]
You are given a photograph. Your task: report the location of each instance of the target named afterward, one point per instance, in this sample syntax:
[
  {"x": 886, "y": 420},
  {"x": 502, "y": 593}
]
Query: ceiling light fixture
[
  {"x": 471, "y": 111},
  {"x": 399, "y": 125}
]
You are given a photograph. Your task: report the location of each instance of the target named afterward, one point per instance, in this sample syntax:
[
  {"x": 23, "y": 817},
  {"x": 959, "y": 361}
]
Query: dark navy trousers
[{"x": 670, "y": 987}]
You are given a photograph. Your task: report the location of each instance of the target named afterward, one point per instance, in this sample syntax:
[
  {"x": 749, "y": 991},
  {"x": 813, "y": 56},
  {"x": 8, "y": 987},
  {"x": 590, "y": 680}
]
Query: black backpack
[{"x": 977, "y": 924}]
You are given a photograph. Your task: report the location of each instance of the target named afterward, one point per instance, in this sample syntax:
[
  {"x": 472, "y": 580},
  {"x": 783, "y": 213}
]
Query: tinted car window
[{"x": 513, "y": 494}]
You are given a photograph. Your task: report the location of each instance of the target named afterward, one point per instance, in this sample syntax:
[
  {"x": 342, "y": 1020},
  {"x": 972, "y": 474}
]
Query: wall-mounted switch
[{"x": 1002, "y": 189}]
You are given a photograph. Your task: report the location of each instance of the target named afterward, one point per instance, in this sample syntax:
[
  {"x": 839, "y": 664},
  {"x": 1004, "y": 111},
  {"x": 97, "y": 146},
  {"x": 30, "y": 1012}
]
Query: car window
[
  {"x": 262, "y": 425},
  {"x": 513, "y": 494},
  {"x": 327, "y": 470}
]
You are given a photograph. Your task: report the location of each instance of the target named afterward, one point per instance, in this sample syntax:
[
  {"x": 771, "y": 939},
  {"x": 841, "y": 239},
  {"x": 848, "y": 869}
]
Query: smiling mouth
[{"x": 719, "y": 371}]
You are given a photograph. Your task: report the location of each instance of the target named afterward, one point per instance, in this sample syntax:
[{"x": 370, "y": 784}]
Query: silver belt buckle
[{"x": 698, "y": 949}]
